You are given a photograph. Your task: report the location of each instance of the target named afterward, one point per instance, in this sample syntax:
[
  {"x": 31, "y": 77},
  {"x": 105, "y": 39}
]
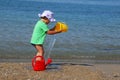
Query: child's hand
[
  {"x": 60, "y": 31},
  {"x": 54, "y": 29}
]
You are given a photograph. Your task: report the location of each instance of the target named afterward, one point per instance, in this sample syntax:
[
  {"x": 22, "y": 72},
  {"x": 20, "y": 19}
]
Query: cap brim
[
  {"x": 39, "y": 15},
  {"x": 52, "y": 20}
]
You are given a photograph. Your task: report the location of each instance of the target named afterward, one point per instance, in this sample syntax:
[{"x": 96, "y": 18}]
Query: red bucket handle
[{"x": 33, "y": 60}]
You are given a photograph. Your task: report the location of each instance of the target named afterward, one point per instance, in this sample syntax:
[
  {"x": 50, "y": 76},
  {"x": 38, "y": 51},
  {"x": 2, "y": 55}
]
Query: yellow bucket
[{"x": 60, "y": 26}]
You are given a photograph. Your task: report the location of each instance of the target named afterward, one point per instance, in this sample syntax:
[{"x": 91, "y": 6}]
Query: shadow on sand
[{"x": 57, "y": 66}]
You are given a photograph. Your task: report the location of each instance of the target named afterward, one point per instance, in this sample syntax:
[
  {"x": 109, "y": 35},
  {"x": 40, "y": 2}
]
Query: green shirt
[{"x": 39, "y": 32}]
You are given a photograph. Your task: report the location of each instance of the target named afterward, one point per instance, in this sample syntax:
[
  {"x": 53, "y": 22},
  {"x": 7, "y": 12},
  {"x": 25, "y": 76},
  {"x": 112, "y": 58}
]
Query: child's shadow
[
  {"x": 54, "y": 66},
  {"x": 57, "y": 66}
]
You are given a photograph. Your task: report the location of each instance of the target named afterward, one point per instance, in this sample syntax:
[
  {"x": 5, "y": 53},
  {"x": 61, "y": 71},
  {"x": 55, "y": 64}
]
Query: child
[{"x": 40, "y": 31}]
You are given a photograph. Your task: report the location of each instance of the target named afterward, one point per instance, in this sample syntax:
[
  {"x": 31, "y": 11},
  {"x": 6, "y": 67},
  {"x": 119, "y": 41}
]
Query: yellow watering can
[{"x": 60, "y": 26}]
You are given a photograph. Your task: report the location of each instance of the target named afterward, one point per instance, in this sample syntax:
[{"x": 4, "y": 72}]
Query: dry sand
[
  {"x": 111, "y": 71},
  {"x": 23, "y": 71}
]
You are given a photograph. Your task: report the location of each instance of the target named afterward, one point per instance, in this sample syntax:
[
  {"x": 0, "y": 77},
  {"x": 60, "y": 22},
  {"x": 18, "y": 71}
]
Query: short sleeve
[{"x": 45, "y": 28}]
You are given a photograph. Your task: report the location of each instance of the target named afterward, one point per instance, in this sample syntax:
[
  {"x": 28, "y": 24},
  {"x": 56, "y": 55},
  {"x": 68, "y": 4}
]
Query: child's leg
[{"x": 40, "y": 50}]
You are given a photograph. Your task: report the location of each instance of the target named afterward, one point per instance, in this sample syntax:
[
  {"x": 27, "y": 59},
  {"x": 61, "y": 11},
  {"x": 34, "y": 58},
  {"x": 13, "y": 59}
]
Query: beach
[
  {"x": 90, "y": 50},
  {"x": 59, "y": 71}
]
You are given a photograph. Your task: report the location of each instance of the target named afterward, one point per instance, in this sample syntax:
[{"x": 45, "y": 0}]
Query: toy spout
[{"x": 49, "y": 60}]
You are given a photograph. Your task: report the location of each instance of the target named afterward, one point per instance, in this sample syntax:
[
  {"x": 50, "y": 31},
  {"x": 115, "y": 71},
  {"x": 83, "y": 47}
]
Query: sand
[
  {"x": 111, "y": 71},
  {"x": 23, "y": 71}
]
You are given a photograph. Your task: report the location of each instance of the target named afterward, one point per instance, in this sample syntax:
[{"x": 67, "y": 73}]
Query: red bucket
[{"x": 38, "y": 65}]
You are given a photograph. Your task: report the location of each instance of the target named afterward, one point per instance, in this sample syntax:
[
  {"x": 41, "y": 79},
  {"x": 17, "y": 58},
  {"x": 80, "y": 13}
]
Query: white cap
[{"x": 48, "y": 14}]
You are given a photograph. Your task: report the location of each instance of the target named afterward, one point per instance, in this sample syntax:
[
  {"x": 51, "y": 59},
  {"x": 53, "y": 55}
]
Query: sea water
[{"x": 94, "y": 28}]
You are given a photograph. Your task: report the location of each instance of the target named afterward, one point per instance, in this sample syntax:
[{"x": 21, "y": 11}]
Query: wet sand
[{"x": 55, "y": 71}]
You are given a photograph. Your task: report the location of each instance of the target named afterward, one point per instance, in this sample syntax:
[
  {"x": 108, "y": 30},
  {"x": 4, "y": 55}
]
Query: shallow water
[{"x": 94, "y": 28}]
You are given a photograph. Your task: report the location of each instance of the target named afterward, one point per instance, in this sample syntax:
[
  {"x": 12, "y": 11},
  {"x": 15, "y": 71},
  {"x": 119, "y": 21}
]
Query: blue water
[{"x": 94, "y": 28}]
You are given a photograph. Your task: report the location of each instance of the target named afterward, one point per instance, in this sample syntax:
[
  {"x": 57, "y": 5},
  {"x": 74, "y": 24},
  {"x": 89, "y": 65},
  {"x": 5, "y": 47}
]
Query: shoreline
[{"x": 76, "y": 61}]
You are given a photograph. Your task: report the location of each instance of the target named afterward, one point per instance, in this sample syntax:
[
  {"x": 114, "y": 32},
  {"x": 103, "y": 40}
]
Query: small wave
[{"x": 88, "y": 2}]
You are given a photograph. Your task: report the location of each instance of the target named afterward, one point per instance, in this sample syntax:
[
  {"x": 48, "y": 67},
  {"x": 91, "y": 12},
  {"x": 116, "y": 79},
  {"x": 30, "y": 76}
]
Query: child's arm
[{"x": 52, "y": 32}]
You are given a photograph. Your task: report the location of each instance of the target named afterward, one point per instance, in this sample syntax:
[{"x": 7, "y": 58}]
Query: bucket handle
[{"x": 33, "y": 60}]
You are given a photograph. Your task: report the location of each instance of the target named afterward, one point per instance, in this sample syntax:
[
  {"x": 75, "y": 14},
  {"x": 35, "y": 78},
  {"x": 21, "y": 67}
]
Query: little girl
[{"x": 40, "y": 31}]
